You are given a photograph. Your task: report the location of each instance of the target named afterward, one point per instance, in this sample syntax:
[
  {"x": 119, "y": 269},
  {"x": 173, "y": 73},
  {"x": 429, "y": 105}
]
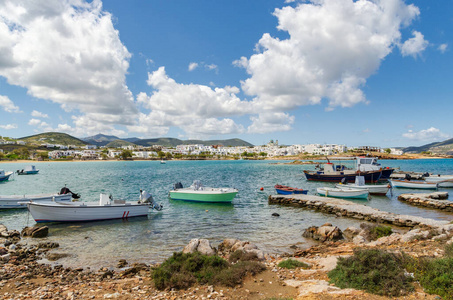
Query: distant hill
[
  {"x": 172, "y": 142},
  {"x": 53, "y": 138},
  {"x": 445, "y": 147},
  {"x": 118, "y": 144},
  {"x": 100, "y": 139}
]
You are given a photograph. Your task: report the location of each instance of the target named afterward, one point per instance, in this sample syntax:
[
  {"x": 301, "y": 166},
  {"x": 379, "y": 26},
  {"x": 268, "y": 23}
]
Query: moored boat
[
  {"x": 445, "y": 181},
  {"x": 28, "y": 170},
  {"x": 5, "y": 175},
  {"x": 365, "y": 166},
  {"x": 375, "y": 189},
  {"x": 199, "y": 193},
  {"x": 413, "y": 184},
  {"x": 13, "y": 201},
  {"x": 287, "y": 190},
  {"x": 106, "y": 209},
  {"x": 347, "y": 193}
]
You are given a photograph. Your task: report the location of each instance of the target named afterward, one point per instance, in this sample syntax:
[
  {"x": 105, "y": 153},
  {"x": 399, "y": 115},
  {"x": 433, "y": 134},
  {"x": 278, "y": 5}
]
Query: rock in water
[
  {"x": 275, "y": 215},
  {"x": 35, "y": 231}
]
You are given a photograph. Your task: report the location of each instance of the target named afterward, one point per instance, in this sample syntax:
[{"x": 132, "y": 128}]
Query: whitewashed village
[{"x": 270, "y": 150}]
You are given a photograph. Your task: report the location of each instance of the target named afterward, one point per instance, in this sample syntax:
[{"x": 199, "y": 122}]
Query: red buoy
[{"x": 261, "y": 189}]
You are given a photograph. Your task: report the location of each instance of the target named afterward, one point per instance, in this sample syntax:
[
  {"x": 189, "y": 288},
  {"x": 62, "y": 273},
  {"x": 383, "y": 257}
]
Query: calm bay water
[{"x": 154, "y": 238}]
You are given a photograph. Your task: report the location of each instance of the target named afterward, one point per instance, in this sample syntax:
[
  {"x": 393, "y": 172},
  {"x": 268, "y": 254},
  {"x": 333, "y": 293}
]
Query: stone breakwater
[
  {"x": 432, "y": 200},
  {"x": 344, "y": 208}
]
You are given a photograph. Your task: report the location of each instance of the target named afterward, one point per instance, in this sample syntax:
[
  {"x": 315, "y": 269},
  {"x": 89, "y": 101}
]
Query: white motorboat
[
  {"x": 12, "y": 201},
  {"x": 413, "y": 184},
  {"x": 5, "y": 175},
  {"x": 106, "y": 209},
  {"x": 445, "y": 181},
  {"x": 375, "y": 189},
  {"x": 198, "y": 192},
  {"x": 348, "y": 193}
]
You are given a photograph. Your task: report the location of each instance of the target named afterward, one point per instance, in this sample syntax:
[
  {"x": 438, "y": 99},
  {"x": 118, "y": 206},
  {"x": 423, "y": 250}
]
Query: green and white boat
[{"x": 199, "y": 193}]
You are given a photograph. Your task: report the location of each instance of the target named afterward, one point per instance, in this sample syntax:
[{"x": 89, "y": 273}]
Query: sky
[{"x": 366, "y": 72}]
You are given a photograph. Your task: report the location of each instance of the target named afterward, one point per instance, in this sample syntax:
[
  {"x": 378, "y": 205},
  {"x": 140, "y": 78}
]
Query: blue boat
[
  {"x": 28, "y": 170},
  {"x": 287, "y": 190}
]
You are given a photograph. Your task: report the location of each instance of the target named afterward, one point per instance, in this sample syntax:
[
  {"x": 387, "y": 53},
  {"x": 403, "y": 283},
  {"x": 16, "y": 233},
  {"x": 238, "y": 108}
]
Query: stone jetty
[
  {"x": 344, "y": 208},
  {"x": 432, "y": 200}
]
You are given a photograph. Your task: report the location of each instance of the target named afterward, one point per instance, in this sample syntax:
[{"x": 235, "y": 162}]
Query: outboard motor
[
  {"x": 344, "y": 180},
  {"x": 177, "y": 185},
  {"x": 408, "y": 177},
  {"x": 426, "y": 174},
  {"x": 65, "y": 190},
  {"x": 146, "y": 197}
]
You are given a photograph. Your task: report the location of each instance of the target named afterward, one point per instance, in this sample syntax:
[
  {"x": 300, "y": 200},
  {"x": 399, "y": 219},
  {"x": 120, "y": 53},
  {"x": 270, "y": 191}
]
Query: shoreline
[{"x": 296, "y": 160}]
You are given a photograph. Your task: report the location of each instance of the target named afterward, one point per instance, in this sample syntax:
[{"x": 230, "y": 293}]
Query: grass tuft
[
  {"x": 374, "y": 232},
  {"x": 292, "y": 264}
]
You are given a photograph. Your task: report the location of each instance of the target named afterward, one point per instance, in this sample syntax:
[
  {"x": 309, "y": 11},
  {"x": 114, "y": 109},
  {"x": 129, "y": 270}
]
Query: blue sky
[{"x": 326, "y": 71}]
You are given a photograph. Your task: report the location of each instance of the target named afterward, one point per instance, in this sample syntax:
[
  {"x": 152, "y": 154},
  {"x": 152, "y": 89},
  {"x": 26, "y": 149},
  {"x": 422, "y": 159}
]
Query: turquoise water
[{"x": 154, "y": 238}]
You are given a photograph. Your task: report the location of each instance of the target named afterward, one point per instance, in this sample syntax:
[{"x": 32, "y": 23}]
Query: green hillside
[
  {"x": 172, "y": 142},
  {"x": 118, "y": 144},
  {"x": 445, "y": 147},
  {"x": 53, "y": 138}
]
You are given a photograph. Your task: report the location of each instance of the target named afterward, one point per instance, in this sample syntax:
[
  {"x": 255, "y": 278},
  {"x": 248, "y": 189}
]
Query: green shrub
[
  {"x": 375, "y": 271},
  {"x": 240, "y": 255},
  {"x": 435, "y": 275},
  {"x": 373, "y": 232},
  {"x": 292, "y": 264},
  {"x": 182, "y": 270}
]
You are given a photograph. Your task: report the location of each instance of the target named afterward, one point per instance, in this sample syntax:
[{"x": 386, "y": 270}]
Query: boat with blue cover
[{"x": 287, "y": 190}]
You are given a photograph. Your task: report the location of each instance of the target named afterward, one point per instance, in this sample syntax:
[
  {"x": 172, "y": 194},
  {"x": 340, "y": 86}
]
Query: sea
[{"x": 154, "y": 238}]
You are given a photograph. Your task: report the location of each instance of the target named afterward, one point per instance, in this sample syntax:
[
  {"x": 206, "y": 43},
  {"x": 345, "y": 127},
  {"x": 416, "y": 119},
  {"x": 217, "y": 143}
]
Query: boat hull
[
  {"x": 370, "y": 177},
  {"x": 7, "y": 202},
  {"x": 341, "y": 193},
  {"x": 413, "y": 184},
  {"x": 381, "y": 189},
  {"x": 214, "y": 196},
  {"x": 43, "y": 212},
  {"x": 28, "y": 173},
  {"x": 288, "y": 192},
  {"x": 5, "y": 177},
  {"x": 445, "y": 182}
]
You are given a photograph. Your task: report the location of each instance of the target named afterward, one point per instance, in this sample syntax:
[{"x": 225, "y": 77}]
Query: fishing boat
[
  {"x": 347, "y": 193},
  {"x": 365, "y": 166},
  {"x": 162, "y": 161},
  {"x": 445, "y": 181},
  {"x": 198, "y": 192},
  {"x": 28, "y": 170},
  {"x": 12, "y": 201},
  {"x": 5, "y": 175},
  {"x": 375, "y": 189},
  {"x": 287, "y": 190},
  {"x": 413, "y": 184},
  {"x": 106, "y": 209}
]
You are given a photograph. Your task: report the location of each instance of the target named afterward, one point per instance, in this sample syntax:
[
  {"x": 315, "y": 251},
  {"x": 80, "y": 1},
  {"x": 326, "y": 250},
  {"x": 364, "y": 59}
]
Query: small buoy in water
[
  {"x": 261, "y": 189},
  {"x": 207, "y": 210},
  {"x": 275, "y": 215}
]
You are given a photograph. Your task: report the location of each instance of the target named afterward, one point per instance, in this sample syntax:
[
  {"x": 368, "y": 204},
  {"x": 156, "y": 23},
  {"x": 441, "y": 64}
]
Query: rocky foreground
[{"x": 22, "y": 277}]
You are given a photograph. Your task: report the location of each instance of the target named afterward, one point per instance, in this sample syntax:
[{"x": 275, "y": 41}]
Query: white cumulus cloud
[
  {"x": 333, "y": 47},
  {"x": 414, "y": 46},
  {"x": 193, "y": 66},
  {"x": 68, "y": 52},
  {"x": 8, "y": 105},
  {"x": 442, "y": 48},
  {"x": 8, "y": 126},
  {"x": 270, "y": 122},
  {"x": 430, "y": 134},
  {"x": 38, "y": 114}
]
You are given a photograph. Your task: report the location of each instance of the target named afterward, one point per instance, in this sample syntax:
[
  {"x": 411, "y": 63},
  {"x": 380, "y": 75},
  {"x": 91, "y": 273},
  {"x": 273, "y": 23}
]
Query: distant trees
[{"x": 126, "y": 154}]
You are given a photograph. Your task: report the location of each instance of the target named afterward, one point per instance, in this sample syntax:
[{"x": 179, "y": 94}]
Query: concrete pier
[
  {"x": 344, "y": 208},
  {"x": 435, "y": 200}
]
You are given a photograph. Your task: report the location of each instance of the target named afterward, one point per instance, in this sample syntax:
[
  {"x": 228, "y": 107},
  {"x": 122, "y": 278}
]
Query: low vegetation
[
  {"x": 182, "y": 270},
  {"x": 435, "y": 274},
  {"x": 375, "y": 271},
  {"x": 373, "y": 232},
  {"x": 292, "y": 264}
]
